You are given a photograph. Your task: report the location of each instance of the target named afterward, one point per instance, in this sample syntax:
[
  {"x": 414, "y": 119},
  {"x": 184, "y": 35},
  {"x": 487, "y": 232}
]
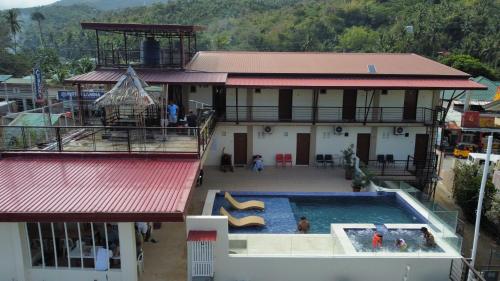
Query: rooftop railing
[
  {"x": 129, "y": 139},
  {"x": 325, "y": 114}
]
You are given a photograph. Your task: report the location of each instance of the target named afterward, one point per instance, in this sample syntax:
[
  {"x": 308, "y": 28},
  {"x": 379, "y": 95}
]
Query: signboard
[
  {"x": 487, "y": 121},
  {"x": 88, "y": 95},
  {"x": 497, "y": 95},
  {"x": 470, "y": 119},
  {"x": 37, "y": 81}
]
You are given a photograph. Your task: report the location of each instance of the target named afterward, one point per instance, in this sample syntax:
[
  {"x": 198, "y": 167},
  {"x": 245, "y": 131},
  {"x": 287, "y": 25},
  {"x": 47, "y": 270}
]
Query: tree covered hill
[
  {"x": 427, "y": 27},
  {"x": 109, "y": 4}
]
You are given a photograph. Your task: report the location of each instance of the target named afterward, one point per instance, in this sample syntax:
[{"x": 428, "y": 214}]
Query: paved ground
[{"x": 166, "y": 260}]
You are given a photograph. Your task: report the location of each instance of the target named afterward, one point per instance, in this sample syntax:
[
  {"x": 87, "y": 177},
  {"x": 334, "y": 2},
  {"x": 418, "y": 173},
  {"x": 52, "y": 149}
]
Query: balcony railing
[
  {"x": 327, "y": 114},
  {"x": 122, "y": 57},
  {"x": 176, "y": 140}
]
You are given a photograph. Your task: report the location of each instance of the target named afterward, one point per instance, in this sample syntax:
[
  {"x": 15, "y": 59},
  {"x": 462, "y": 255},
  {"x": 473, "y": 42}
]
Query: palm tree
[
  {"x": 14, "y": 23},
  {"x": 38, "y": 17}
]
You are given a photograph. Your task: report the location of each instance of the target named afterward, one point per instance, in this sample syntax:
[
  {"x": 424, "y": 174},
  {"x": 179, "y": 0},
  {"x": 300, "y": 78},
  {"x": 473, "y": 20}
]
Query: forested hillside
[{"x": 432, "y": 28}]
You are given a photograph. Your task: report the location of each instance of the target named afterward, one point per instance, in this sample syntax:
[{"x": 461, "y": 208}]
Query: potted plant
[
  {"x": 361, "y": 180},
  {"x": 348, "y": 155}
]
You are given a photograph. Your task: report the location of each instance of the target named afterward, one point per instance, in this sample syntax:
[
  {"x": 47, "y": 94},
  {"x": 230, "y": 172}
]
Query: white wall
[
  {"x": 424, "y": 100},
  {"x": 222, "y": 137},
  {"x": 332, "y": 98},
  {"x": 283, "y": 139},
  {"x": 327, "y": 142},
  {"x": 266, "y": 97},
  {"x": 398, "y": 145},
  {"x": 11, "y": 255},
  {"x": 302, "y": 98},
  {"x": 394, "y": 98},
  {"x": 203, "y": 94},
  {"x": 231, "y": 103}
]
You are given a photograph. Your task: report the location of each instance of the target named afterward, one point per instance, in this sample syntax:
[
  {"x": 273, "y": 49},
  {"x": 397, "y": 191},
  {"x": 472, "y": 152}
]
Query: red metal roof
[
  {"x": 197, "y": 235},
  {"x": 360, "y": 83},
  {"x": 150, "y": 76},
  {"x": 95, "y": 188},
  {"x": 326, "y": 63}
]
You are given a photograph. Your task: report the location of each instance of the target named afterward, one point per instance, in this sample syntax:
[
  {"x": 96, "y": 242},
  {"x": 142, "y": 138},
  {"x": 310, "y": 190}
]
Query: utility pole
[{"x": 480, "y": 205}]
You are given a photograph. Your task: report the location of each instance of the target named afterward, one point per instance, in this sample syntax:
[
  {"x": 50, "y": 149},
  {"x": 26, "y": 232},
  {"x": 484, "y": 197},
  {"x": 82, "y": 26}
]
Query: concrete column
[
  {"x": 25, "y": 104},
  {"x": 249, "y": 103},
  {"x": 467, "y": 100},
  {"x": 312, "y": 145},
  {"x": 373, "y": 142},
  {"x": 249, "y": 143},
  {"x": 128, "y": 252}
]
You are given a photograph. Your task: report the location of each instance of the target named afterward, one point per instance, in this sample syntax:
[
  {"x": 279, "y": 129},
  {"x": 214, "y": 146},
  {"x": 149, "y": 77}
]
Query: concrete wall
[
  {"x": 324, "y": 140},
  {"x": 398, "y": 145},
  {"x": 203, "y": 94},
  {"x": 223, "y": 138},
  {"x": 337, "y": 267},
  {"x": 282, "y": 139},
  {"x": 11, "y": 254},
  {"x": 15, "y": 264},
  {"x": 327, "y": 142}
]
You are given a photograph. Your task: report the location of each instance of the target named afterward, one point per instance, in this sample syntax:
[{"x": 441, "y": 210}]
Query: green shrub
[{"x": 466, "y": 185}]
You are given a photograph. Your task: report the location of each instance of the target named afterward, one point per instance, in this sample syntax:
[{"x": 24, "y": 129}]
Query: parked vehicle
[
  {"x": 462, "y": 149},
  {"x": 480, "y": 158}
]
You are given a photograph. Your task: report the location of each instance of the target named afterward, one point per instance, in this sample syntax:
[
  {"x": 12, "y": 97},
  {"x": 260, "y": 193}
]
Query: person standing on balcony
[{"x": 173, "y": 111}]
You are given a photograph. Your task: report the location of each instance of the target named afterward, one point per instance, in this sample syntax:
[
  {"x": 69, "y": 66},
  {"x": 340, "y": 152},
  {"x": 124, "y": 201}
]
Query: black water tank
[{"x": 150, "y": 51}]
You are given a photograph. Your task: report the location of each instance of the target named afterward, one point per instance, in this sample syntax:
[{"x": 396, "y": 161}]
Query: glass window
[{"x": 73, "y": 245}]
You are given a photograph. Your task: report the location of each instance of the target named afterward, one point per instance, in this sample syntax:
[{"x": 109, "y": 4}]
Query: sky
[{"x": 7, "y": 4}]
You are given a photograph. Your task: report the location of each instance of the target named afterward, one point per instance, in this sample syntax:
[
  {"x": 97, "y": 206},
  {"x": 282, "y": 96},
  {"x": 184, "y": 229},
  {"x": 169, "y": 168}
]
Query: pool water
[
  {"x": 283, "y": 210},
  {"x": 321, "y": 212},
  {"x": 361, "y": 239}
]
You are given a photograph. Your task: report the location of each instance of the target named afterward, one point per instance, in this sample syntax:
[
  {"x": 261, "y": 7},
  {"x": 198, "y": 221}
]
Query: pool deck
[{"x": 166, "y": 260}]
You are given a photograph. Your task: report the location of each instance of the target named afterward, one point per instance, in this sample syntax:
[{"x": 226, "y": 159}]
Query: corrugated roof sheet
[
  {"x": 34, "y": 119},
  {"x": 319, "y": 63},
  {"x": 4, "y": 77},
  {"x": 479, "y": 95},
  {"x": 151, "y": 77},
  {"x": 95, "y": 189},
  {"x": 20, "y": 81},
  {"x": 359, "y": 83}
]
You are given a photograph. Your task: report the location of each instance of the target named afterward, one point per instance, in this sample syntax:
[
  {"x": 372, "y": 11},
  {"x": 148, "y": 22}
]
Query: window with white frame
[{"x": 74, "y": 245}]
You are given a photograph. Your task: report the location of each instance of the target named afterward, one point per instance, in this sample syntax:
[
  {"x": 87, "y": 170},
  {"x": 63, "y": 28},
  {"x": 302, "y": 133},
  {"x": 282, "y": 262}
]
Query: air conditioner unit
[
  {"x": 338, "y": 130},
  {"x": 268, "y": 129},
  {"x": 399, "y": 130}
]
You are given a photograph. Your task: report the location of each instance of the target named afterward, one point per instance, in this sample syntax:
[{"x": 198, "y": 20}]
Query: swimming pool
[
  {"x": 283, "y": 210},
  {"x": 361, "y": 239}
]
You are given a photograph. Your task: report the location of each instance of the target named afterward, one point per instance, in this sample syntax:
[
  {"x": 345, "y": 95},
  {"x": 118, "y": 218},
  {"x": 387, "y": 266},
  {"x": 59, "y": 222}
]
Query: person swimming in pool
[
  {"x": 401, "y": 244},
  {"x": 303, "y": 225},
  {"x": 377, "y": 240}
]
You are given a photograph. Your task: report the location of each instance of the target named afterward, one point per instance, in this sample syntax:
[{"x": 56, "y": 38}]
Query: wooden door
[
  {"x": 240, "y": 149},
  {"x": 363, "y": 147},
  {"x": 285, "y": 105},
  {"x": 420, "y": 155},
  {"x": 349, "y": 104},
  {"x": 219, "y": 101},
  {"x": 410, "y": 105},
  {"x": 303, "y": 146}
]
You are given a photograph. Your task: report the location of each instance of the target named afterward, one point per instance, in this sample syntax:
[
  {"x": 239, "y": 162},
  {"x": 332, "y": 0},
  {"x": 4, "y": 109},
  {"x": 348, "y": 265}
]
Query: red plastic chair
[
  {"x": 288, "y": 159},
  {"x": 279, "y": 160}
]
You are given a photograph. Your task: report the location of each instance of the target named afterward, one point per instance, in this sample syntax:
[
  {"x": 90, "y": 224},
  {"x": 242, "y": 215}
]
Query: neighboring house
[
  {"x": 19, "y": 90},
  {"x": 482, "y": 104}
]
